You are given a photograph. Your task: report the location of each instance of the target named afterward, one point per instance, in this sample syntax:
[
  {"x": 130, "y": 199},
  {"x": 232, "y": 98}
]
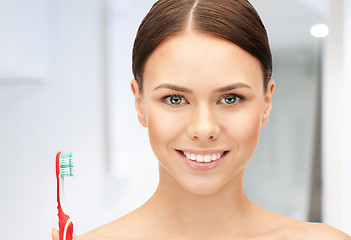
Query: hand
[{"x": 55, "y": 234}]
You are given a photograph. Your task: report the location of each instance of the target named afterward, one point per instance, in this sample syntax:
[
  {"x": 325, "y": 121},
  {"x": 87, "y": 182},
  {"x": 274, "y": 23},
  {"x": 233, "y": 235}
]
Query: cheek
[
  {"x": 245, "y": 128},
  {"x": 163, "y": 127}
]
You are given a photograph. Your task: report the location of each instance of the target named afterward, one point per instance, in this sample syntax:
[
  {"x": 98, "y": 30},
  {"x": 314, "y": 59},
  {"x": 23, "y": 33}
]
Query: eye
[
  {"x": 174, "y": 99},
  {"x": 230, "y": 99}
]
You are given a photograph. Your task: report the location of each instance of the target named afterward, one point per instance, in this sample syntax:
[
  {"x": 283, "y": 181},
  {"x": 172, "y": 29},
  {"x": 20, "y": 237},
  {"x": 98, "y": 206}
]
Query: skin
[{"x": 207, "y": 118}]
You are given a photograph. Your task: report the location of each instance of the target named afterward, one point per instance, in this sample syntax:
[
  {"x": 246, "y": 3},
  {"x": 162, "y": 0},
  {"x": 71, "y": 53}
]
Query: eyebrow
[
  {"x": 232, "y": 87},
  {"x": 173, "y": 87},
  {"x": 186, "y": 90}
]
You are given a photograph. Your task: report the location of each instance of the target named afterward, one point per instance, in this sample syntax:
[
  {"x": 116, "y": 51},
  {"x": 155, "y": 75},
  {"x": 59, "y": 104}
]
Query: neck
[{"x": 194, "y": 215}]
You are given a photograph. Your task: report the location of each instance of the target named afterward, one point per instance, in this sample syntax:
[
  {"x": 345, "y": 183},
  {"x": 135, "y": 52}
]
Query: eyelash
[{"x": 239, "y": 98}]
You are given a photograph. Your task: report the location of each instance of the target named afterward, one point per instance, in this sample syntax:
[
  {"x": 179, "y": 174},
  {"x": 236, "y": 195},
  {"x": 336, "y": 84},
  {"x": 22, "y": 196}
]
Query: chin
[{"x": 203, "y": 188}]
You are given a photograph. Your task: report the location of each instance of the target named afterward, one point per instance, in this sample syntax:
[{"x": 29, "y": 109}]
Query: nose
[{"x": 203, "y": 125}]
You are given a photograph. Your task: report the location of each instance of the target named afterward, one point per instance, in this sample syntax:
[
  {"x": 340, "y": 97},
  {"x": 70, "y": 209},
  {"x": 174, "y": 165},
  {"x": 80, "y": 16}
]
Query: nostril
[{"x": 204, "y": 134}]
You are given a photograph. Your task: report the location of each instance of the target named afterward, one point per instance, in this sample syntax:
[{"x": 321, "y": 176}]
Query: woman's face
[{"x": 204, "y": 104}]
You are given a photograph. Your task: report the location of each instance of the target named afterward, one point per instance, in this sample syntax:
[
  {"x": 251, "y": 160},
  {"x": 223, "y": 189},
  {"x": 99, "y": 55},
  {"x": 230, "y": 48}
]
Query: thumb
[{"x": 55, "y": 234}]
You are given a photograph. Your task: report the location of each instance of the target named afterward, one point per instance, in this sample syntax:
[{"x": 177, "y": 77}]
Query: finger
[{"x": 55, "y": 234}]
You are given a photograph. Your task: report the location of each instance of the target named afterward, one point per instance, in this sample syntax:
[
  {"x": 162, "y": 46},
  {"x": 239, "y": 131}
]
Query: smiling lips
[{"x": 203, "y": 158}]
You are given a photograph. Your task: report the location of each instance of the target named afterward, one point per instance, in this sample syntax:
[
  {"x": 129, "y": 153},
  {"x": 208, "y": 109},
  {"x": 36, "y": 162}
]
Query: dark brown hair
[{"x": 234, "y": 20}]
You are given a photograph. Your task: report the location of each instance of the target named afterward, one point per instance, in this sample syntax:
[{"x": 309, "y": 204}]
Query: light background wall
[
  {"x": 336, "y": 117},
  {"x": 62, "y": 111},
  {"x": 346, "y": 218},
  {"x": 58, "y": 97}
]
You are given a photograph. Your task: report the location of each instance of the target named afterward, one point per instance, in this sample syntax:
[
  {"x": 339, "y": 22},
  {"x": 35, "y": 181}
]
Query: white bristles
[
  {"x": 66, "y": 165},
  {"x": 66, "y": 161},
  {"x": 66, "y": 171}
]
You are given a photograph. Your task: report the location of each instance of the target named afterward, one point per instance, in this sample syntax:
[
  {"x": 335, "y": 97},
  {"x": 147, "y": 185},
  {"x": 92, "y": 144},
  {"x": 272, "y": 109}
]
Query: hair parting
[{"x": 191, "y": 14}]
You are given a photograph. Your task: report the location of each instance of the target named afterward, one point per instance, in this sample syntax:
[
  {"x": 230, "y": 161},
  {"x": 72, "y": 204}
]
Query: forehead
[{"x": 192, "y": 58}]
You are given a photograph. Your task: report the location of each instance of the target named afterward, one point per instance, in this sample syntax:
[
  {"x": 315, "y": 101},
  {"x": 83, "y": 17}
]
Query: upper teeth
[{"x": 203, "y": 158}]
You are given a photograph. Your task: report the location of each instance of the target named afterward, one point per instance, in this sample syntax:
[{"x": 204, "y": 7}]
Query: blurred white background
[{"x": 65, "y": 69}]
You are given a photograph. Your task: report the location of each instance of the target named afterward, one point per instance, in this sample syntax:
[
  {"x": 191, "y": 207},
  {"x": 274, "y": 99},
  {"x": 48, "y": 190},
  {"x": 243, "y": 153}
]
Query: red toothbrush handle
[
  {"x": 69, "y": 235},
  {"x": 65, "y": 225}
]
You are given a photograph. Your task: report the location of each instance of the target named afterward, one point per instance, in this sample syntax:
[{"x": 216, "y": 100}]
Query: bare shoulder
[
  {"x": 297, "y": 229},
  {"x": 122, "y": 228},
  {"x": 324, "y": 231},
  {"x": 283, "y": 227}
]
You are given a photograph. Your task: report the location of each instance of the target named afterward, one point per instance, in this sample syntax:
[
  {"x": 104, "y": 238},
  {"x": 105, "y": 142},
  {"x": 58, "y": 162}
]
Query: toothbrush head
[{"x": 66, "y": 164}]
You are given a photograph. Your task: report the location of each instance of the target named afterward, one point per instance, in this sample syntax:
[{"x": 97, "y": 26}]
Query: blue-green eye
[
  {"x": 175, "y": 99},
  {"x": 230, "y": 99}
]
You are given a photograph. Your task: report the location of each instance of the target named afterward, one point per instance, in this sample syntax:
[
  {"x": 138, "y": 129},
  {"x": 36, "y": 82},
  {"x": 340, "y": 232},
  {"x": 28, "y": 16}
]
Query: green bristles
[{"x": 66, "y": 165}]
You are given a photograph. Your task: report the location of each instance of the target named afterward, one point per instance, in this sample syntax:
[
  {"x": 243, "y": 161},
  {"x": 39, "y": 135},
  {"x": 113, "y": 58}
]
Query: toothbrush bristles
[{"x": 66, "y": 165}]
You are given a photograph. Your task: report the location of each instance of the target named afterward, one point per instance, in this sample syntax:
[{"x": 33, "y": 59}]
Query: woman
[{"x": 203, "y": 88}]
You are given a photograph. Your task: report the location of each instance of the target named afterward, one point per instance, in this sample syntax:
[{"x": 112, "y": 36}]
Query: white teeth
[
  {"x": 199, "y": 158},
  {"x": 203, "y": 158},
  {"x": 207, "y": 158}
]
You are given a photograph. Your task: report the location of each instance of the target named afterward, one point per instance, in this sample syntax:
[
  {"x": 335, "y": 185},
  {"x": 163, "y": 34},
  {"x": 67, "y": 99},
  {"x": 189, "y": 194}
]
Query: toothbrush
[{"x": 64, "y": 168}]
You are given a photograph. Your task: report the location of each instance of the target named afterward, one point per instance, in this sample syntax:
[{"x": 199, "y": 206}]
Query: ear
[
  {"x": 268, "y": 101},
  {"x": 138, "y": 101}
]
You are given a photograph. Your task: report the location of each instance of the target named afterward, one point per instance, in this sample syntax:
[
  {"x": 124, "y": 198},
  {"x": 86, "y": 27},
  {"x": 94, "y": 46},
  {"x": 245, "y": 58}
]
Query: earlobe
[
  {"x": 268, "y": 101},
  {"x": 138, "y": 102}
]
